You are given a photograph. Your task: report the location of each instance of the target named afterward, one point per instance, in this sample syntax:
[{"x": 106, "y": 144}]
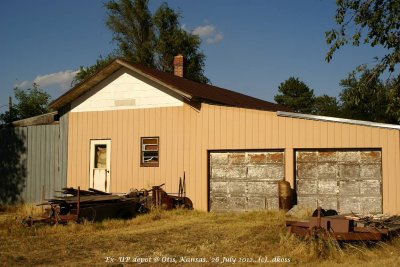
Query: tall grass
[{"x": 179, "y": 233}]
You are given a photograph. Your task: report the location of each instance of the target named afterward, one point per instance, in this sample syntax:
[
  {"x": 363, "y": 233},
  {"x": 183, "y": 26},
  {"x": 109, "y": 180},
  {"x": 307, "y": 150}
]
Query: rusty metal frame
[{"x": 337, "y": 228}]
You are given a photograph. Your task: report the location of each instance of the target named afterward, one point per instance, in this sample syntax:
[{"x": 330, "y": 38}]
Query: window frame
[{"x": 142, "y": 151}]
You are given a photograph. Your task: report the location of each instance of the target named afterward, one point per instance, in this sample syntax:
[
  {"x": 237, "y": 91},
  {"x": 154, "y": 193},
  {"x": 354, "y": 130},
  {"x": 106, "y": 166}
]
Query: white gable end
[{"x": 122, "y": 90}]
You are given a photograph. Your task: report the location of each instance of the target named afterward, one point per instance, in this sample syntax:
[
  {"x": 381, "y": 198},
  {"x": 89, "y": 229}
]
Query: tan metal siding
[{"x": 186, "y": 134}]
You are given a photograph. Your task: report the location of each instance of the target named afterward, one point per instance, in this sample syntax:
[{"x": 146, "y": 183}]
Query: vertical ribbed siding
[
  {"x": 42, "y": 161},
  {"x": 62, "y": 147},
  {"x": 186, "y": 134}
]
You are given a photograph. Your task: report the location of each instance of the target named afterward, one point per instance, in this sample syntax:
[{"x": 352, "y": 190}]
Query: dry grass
[{"x": 178, "y": 234}]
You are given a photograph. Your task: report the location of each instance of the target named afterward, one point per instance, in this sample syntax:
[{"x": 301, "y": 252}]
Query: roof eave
[
  {"x": 79, "y": 89},
  {"x": 339, "y": 120},
  {"x": 43, "y": 119}
]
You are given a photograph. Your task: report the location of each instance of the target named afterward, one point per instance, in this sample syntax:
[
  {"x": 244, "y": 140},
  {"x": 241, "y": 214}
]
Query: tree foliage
[
  {"x": 151, "y": 40},
  {"x": 171, "y": 40},
  {"x": 327, "y": 106},
  {"x": 296, "y": 94},
  {"x": 364, "y": 96},
  {"x": 30, "y": 102},
  {"x": 132, "y": 26},
  {"x": 371, "y": 22},
  {"x": 393, "y": 95},
  {"x": 85, "y": 72}
]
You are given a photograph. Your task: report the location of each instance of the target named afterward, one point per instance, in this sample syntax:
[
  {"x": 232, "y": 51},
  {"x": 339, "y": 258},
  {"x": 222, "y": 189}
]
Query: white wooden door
[{"x": 100, "y": 152}]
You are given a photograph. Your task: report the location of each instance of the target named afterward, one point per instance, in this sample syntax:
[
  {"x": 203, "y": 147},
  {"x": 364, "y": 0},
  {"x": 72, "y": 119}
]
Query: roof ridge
[{"x": 191, "y": 90}]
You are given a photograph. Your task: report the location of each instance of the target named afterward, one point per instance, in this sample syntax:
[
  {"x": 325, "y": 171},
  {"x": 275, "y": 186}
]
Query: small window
[{"x": 149, "y": 152}]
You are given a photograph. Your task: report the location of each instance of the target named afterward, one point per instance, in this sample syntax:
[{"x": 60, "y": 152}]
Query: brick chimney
[{"x": 178, "y": 65}]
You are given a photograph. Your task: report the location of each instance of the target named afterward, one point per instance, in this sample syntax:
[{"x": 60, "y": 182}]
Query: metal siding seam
[
  {"x": 30, "y": 170},
  {"x": 392, "y": 170},
  {"x": 36, "y": 165},
  {"x": 168, "y": 146},
  {"x": 56, "y": 166},
  {"x": 49, "y": 159},
  {"x": 130, "y": 147},
  {"x": 198, "y": 156},
  {"x": 43, "y": 163},
  {"x": 35, "y": 162}
]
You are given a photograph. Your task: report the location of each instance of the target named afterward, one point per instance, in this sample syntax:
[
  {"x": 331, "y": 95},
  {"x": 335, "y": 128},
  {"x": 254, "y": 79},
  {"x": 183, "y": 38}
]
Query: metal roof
[
  {"x": 333, "y": 119},
  {"x": 42, "y": 119}
]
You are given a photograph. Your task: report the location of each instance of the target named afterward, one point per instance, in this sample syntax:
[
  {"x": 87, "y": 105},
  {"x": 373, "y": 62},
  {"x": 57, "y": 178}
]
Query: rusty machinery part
[
  {"x": 323, "y": 213},
  {"x": 133, "y": 192},
  {"x": 184, "y": 203},
  {"x": 182, "y": 186},
  {"x": 163, "y": 200},
  {"x": 339, "y": 227}
]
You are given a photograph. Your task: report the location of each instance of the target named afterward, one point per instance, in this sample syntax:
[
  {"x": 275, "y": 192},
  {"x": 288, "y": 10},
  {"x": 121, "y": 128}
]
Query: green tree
[
  {"x": 364, "y": 96},
  {"x": 151, "y": 40},
  {"x": 132, "y": 26},
  {"x": 327, "y": 106},
  {"x": 30, "y": 102},
  {"x": 9, "y": 116},
  {"x": 393, "y": 107},
  {"x": 296, "y": 94},
  {"x": 85, "y": 72},
  {"x": 171, "y": 40},
  {"x": 371, "y": 22}
]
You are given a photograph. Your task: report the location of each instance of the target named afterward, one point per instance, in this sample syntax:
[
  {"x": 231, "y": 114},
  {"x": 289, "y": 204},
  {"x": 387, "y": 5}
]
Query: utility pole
[{"x": 10, "y": 106}]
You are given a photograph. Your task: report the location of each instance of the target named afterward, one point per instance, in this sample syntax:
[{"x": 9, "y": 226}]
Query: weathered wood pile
[
  {"x": 89, "y": 205},
  {"x": 377, "y": 221},
  {"x": 94, "y": 205}
]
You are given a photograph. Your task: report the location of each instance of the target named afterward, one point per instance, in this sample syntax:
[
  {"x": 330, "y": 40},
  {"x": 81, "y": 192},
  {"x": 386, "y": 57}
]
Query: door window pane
[{"x": 100, "y": 157}]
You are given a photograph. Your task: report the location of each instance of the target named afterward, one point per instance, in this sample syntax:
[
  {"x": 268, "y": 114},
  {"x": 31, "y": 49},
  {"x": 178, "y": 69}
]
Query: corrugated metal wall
[
  {"x": 43, "y": 170},
  {"x": 186, "y": 135},
  {"x": 43, "y": 160}
]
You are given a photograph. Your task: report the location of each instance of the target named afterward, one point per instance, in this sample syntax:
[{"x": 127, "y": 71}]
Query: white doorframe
[{"x": 100, "y": 162}]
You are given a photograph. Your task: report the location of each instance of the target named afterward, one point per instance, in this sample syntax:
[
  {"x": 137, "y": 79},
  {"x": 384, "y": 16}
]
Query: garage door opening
[
  {"x": 245, "y": 180},
  {"x": 347, "y": 180}
]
